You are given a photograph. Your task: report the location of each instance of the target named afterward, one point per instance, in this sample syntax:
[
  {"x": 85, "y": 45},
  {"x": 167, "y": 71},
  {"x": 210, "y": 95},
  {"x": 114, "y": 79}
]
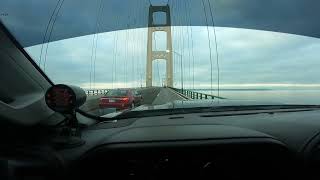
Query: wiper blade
[
  {"x": 222, "y": 109},
  {"x": 218, "y": 110},
  {"x": 251, "y": 112},
  {"x": 104, "y": 119},
  {"x": 260, "y": 107}
]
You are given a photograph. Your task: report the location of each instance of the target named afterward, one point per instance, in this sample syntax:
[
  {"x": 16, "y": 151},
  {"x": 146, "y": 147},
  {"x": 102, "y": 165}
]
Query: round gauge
[{"x": 64, "y": 98}]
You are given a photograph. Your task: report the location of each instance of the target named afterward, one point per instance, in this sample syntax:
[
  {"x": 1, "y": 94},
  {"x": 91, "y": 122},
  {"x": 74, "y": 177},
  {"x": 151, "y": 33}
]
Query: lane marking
[{"x": 179, "y": 94}]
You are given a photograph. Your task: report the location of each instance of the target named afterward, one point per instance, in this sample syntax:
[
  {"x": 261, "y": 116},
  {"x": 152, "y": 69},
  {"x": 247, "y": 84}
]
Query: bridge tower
[{"x": 165, "y": 55}]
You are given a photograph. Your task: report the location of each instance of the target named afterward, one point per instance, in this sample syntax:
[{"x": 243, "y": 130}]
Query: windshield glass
[{"x": 172, "y": 51}]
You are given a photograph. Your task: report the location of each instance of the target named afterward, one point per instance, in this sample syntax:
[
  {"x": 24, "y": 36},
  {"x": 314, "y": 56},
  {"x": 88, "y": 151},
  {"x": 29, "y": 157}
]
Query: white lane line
[{"x": 182, "y": 96}]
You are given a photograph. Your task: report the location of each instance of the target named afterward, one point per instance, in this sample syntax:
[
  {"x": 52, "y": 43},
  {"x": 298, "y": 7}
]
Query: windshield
[{"x": 167, "y": 52}]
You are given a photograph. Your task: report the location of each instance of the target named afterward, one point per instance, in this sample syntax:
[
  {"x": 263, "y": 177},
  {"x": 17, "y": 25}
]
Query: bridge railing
[
  {"x": 94, "y": 92},
  {"x": 196, "y": 95}
]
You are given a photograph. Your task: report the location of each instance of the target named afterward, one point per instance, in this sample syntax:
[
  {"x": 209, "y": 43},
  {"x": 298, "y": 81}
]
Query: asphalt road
[
  {"x": 151, "y": 96},
  {"x": 166, "y": 95}
]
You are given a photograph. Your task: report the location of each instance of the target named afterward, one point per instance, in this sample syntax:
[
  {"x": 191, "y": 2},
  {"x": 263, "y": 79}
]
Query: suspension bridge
[{"x": 170, "y": 89}]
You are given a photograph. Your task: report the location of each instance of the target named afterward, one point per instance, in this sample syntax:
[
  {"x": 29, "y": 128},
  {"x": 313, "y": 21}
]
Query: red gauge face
[{"x": 60, "y": 98}]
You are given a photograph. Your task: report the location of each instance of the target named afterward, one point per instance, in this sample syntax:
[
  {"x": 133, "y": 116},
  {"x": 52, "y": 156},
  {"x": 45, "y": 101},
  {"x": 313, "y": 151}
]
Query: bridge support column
[{"x": 167, "y": 54}]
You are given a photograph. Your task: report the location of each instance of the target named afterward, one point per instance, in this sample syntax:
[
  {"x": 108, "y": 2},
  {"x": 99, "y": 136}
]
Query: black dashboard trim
[
  {"x": 20, "y": 48},
  {"x": 310, "y": 146},
  {"x": 182, "y": 143}
]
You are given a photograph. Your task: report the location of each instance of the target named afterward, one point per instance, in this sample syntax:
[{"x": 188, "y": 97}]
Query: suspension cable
[
  {"x": 209, "y": 42},
  {"x": 46, "y": 31},
  {"x": 216, "y": 46},
  {"x": 192, "y": 44},
  {"x": 130, "y": 50},
  {"x": 136, "y": 45},
  {"x": 126, "y": 57},
  {"x": 188, "y": 39},
  {"x": 141, "y": 16},
  {"x": 113, "y": 59},
  {"x": 182, "y": 50},
  {"x": 94, "y": 46},
  {"x": 179, "y": 32},
  {"x": 51, "y": 30},
  {"x": 116, "y": 56},
  {"x": 173, "y": 47},
  {"x": 173, "y": 58}
]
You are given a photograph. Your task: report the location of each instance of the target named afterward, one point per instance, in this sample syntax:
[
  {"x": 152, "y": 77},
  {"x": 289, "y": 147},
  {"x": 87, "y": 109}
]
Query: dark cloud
[{"x": 27, "y": 20}]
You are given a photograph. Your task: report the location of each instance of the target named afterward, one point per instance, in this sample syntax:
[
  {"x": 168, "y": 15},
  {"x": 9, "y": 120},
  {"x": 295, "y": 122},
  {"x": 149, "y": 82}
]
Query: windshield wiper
[
  {"x": 219, "y": 109},
  {"x": 104, "y": 119}
]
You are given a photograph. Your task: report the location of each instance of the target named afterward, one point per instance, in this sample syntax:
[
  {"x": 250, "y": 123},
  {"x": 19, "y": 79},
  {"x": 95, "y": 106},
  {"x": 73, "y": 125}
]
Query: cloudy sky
[
  {"x": 28, "y": 20},
  {"x": 247, "y": 59}
]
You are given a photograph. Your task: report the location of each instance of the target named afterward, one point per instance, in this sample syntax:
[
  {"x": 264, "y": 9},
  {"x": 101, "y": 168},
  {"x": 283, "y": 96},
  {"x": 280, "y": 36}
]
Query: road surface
[{"x": 151, "y": 96}]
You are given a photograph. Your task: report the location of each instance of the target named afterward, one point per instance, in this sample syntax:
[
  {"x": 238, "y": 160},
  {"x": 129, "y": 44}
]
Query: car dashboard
[
  {"x": 281, "y": 144},
  {"x": 197, "y": 145},
  {"x": 186, "y": 151}
]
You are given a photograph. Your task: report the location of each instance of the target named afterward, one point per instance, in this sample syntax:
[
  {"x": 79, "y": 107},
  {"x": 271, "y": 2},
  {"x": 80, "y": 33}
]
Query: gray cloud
[{"x": 28, "y": 20}]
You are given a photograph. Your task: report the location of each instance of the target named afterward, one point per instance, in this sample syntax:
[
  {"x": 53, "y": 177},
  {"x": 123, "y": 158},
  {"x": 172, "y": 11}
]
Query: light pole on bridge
[{"x": 181, "y": 72}]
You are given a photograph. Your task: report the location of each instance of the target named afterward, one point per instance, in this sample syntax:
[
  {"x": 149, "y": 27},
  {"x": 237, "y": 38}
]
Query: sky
[
  {"x": 247, "y": 59},
  {"x": 31, "y": 21}
]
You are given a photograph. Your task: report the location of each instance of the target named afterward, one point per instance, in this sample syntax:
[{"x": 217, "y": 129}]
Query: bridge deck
[{"x": 150, "y": 95}]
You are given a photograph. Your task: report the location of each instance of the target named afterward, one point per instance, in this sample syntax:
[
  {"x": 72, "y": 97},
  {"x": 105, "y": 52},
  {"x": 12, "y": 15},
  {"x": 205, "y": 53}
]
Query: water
[{"x": 298, "y": 96}]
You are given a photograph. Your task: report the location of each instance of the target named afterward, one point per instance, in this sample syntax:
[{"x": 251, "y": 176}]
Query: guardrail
[
  {"x": 196, "y": 95},
  {"x": 94, "y": 92}
]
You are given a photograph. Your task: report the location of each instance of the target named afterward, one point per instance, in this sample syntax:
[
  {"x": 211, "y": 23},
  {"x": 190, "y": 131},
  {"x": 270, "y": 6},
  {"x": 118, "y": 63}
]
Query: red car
[{"x": 121, "y": 99}]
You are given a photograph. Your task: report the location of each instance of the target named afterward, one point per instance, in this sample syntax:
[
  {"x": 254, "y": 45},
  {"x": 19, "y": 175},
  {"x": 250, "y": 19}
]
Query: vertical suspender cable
[
  {"x": 144, "y": 16},
  {"x": 189, "y": 46},
  {"x": 46, "y": 31},
  {"x": 95, "y": 43},
  {"x": 116, "y": 69},
  {"x": 135, "y": 45},
  {"x": 141, "y": 17},
  {"x": 181, "y": 51},
  {"x": 192, "y": 49},
  {"x": 126, "y": 55},
  {"x": 172, "y": 11},
  {"x": 92, "y": 49},
  {"x": 187, "y": 29},
  {"x": 113, "y": 58},
  {"x": 209, "y": 42},
  {"x": 181, "y": 46},
  {"x": 131, "y": 46},
  {"x": 49, "y": 38},
  {"x": 130, "y": 53},
  {"x": 216, "y": 45},
  {"x": 178, "y": 40}
]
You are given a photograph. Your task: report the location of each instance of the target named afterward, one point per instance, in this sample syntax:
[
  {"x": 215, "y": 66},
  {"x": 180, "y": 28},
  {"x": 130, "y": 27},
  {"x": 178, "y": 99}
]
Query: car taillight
[
  {"x": 125, "y": 99},
  {"x": 104, "y": 99}
]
